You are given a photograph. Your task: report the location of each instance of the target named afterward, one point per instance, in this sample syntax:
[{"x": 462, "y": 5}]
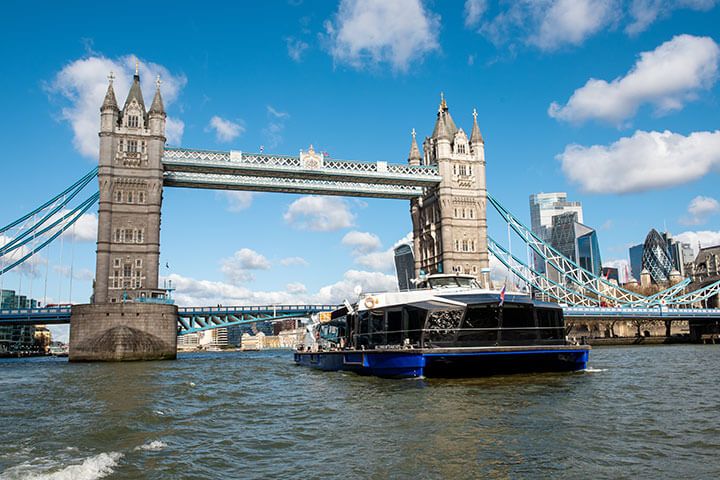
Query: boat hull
[{"x": 449, "y": 362}]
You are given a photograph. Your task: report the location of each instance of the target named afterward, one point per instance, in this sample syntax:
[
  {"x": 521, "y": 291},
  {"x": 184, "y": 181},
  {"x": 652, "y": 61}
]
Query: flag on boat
[{"x": 502, "y": 295}]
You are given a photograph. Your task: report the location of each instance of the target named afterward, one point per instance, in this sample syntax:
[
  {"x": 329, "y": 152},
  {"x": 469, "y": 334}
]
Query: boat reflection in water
[{"x": 449, "y": 328}]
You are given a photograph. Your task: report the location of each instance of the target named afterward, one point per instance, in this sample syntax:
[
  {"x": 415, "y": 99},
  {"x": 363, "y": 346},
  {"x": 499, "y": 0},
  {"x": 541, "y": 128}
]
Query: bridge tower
[
  {"x": 128, "y": 318},
  {"x": 449, "y": 221}
]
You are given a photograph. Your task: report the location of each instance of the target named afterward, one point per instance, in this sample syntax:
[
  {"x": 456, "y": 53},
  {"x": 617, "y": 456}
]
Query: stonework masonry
[
  {"x": 128, "y": 318},
  {"x": 449, "y": 221},
  {"x": 122, "y": 332}
]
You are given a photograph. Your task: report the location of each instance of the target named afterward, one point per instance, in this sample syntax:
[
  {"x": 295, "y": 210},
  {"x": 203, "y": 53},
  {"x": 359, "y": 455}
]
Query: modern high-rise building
[
  {"x": 405, "y": 266},
  {"x": 545, "y": 206},
  {"x": 636, "y": 253},
  {"x": 660, "y": 254},
  {"x": 576, "y": 241}
]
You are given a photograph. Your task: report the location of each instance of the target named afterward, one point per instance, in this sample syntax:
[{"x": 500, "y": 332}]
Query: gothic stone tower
[
  {"x": 127, "y": 319},
  {"x": 449, "y": 221}
]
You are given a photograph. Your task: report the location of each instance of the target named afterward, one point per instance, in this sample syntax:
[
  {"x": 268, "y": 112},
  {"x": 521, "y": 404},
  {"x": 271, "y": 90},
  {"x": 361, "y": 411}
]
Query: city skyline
[{"x": 315, "y": 80}]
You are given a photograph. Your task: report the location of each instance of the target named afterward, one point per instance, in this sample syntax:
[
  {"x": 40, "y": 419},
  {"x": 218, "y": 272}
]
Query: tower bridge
[{"x": 129, "y": 316}]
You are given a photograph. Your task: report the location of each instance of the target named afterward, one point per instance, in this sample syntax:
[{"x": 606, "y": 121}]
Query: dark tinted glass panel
[
  {"x": 480, "y": 326},
  {"x": 377, "y": 327},
  {"x": 415, "y": 318},
  {"x": 394, "y": 326},
  {"x": 363, "y": 328},
  {"x": 442, "y": 325}
]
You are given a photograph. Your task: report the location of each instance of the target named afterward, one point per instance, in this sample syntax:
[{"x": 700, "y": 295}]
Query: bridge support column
[{"x": 123, "y": 331}]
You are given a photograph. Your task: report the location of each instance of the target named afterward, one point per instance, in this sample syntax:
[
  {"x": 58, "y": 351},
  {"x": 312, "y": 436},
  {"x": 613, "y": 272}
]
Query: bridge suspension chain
[{"x": 23, "y": 238}]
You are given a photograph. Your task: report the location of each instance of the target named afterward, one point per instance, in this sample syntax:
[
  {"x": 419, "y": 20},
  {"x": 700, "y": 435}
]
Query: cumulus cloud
[
  {"x": 644, "y": 12},
  {"x": 29, "y": 266},
  {"x": 225, "y": 130},
  {"x": 192, "y": 292},
  {"x": 322, "y": 214},
  {"x": 372, "y": 32},
  {"x": 700, "y": 209},
  {"x": 666, "y": 78},
  {"x": 361, "y": 242},
  {"x": 82, "y": 85},
  {"x": 296, "y": 48},
  {"x": 295, "y": 287},
  {"x": 238, "y": 268},
  {"x": 699, "y": 239},
  {"x": 237, "y": 200},
  {"x": 644, "y": 161},
  {"x": 546, "y": 24},
  {"x": 294, "y": 261},
  {"x": 84, "y": 229},
  {"x": 82, "y": 274}
]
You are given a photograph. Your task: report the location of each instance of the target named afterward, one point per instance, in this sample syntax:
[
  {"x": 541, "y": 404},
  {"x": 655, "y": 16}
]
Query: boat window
[
  {"x": 453, "y": 282},
  {"x": 363, "y": 330},
  {"x": 480, "y": 326},
  {"x": 377, "y": 327},
  {"x": 415, "y": 320},
  {"x": 394, "y": 327},
  {"x": 550, "y": 324},
  {"x": 442, "y": 325},
  {"x": 518, "y": 323}
]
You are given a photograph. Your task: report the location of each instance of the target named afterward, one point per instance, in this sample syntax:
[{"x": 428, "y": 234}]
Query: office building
[
  {"x": 576, "y": 241},
  {"x": 545, "y": 206},
  {"x": 405, "y": 266}
]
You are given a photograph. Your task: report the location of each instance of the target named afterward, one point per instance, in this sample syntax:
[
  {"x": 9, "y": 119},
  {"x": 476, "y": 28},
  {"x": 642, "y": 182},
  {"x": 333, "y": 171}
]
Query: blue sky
[{"x": 615, "y": 102}]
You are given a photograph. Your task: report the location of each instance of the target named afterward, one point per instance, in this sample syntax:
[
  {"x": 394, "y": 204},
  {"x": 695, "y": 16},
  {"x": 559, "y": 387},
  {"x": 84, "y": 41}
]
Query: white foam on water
[
  {"x": 192, "y": 384},
  {"x": 158, "y": 412},
  {"x": 153, "y": 446},
  {"x": 594, "y": 370},
  {"x": 92, "y": 468}
]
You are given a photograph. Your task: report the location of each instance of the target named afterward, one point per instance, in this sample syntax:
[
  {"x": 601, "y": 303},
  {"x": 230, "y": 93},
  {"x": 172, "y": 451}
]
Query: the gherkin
[{"x": 656, "y": 257}]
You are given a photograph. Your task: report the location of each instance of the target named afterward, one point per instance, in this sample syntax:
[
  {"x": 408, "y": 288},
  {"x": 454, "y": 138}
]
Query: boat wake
[
  {"x": 594, "y": 370},
  {"x": 92, "y": 468},
  {"x": 153, "y": 446}
]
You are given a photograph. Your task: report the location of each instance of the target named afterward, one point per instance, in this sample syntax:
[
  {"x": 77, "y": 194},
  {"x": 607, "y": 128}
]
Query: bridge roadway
[{"x": 195, "y": 319}]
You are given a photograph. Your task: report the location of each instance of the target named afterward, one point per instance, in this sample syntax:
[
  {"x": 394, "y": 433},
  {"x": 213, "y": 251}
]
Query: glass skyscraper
[
  {"x": 545, "y": 206},
  {"x": 576, "y": 241}
]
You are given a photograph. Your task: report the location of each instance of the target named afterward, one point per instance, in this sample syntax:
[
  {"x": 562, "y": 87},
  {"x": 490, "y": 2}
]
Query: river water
[{"x": 639, "y": 412}]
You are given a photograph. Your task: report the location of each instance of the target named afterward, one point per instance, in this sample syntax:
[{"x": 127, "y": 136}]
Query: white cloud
[
  {"x": 294, "y": 261},
  {"x": 701, "y": 238},
  {"x": 371, "y": 32},
  {"x": 296, "y": 48},
  {"x": 381, "y": 261},
  {"x": 570, "y": 22},
  {"x": 29, "y": 266},
  {"x": 644, "y": 161},
  {"x": 549, "y": 24},
  {"x": 700, "y": 209},
  {"x": 275, "y": 127},
  {"x": 666, "y": 78},
  {"x": 474, "y": 10},
  {"x": 645, "y": 12},
  {"x": 321, "y": 214},
  {"x": 83, "y": 83},
  {"x": 237, "y": 269},
  {"x": 84, "y": 229},
  {"x": 82, "y": 274},
  {"x": 295, "y": 287},
  {"x": 225, "y": 130},
  {"x": 362, "y": 242},
  {"x": 238, "y": 200},
  {"x": 192, "y": 292}
]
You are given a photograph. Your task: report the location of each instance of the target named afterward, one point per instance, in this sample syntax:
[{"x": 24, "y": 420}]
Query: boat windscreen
[{"x": 453, "y": 282}]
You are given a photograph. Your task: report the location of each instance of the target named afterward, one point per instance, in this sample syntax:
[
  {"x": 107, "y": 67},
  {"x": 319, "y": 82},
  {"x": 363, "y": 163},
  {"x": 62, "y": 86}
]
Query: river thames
[{"x": 638, "y": 412}]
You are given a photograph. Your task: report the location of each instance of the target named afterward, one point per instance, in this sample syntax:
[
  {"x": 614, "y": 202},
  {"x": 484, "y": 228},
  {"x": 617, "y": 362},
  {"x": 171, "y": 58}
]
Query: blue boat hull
[{"x": 447, "y": 362}]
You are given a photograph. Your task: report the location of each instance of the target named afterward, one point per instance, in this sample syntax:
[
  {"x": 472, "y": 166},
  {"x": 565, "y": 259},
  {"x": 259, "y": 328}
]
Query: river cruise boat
[{"x": 449, "y": 327}]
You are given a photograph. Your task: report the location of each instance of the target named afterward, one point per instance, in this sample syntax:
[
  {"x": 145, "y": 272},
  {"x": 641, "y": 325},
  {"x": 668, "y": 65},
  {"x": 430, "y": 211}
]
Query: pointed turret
[
  {"x": 157, "y": 106},
  {"x": 135, "y": 90},
  {"x": 476, "y": 137},
  {"x": 444, "y": 125},
  {"x": 110, "y": 102},
  {"x": 414, "y": 157}
]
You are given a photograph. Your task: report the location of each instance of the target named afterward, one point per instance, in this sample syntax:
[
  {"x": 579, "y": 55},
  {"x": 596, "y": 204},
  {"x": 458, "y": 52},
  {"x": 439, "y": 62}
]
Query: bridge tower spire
[
  {"x": 127, "y": 319},
  {"x": 449, "y": 221}
]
